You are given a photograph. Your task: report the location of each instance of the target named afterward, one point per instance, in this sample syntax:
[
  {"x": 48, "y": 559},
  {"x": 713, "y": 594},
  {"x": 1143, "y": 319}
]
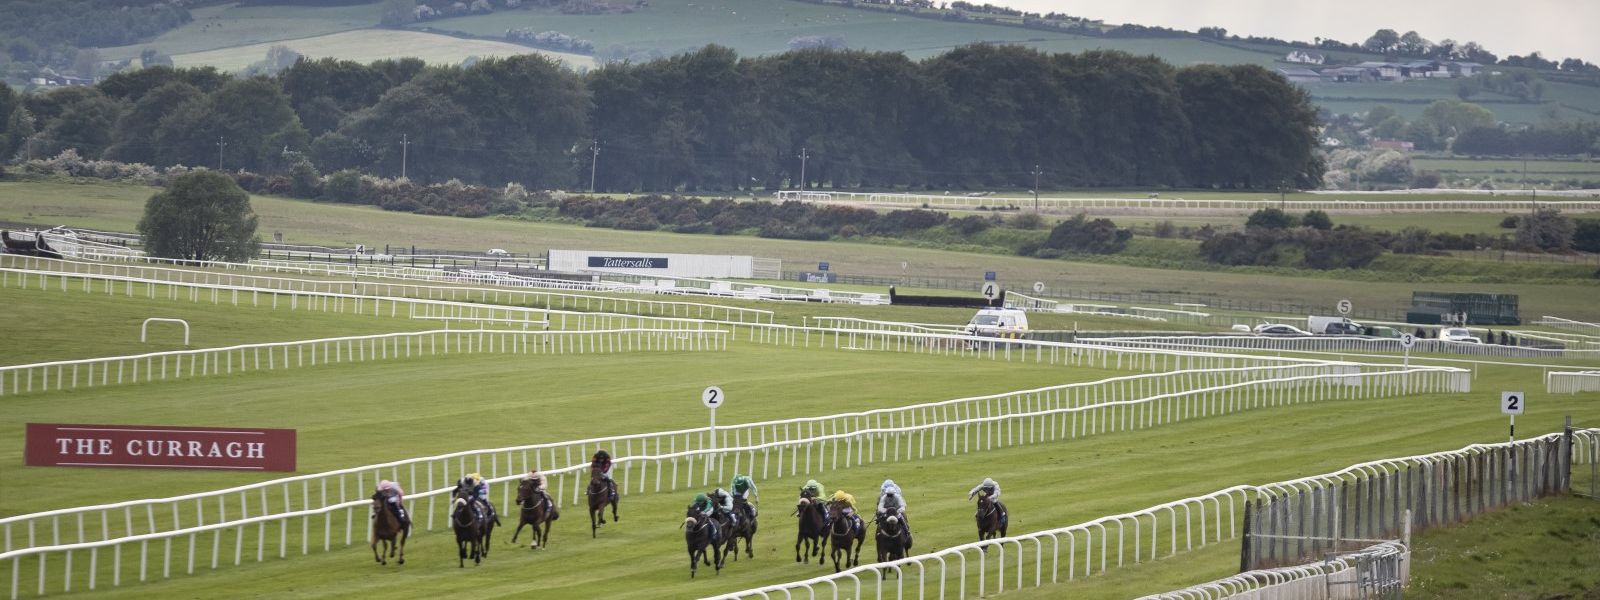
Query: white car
[
  {"x": 1458, "y": 334},
  {"x": 1279, "y": 329},
  {"x": 497, "y": 252}
]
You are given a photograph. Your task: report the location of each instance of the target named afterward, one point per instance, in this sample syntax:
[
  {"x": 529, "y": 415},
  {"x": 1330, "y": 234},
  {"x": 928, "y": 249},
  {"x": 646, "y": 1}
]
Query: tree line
[{"x": 707, "y": 120}]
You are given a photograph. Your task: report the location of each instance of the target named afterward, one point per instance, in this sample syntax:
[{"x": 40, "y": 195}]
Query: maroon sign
[{"x": 51, "y": 444}]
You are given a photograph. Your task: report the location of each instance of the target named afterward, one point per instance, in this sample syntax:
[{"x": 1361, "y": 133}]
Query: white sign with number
[
  {"x": 1512, "y": 403},
  {"x": 713, "y": 397},
  {"x": 1344, "y": 307},
  {"x": 1038, "y": 287},
  {"x": 991, "y": 290},
  {"x": 1408, "y": 340}
]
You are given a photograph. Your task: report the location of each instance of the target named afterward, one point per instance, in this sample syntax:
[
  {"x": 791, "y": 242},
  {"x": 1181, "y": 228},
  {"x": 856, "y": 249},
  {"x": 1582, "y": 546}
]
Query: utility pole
[
  {"x": 1036, "y": 173},
  {"x": 803, "y": 157},
  {"x": 405, "y": 147},
  {"x": 221, "y": 143},
  {"x": 594, "y": 162}
]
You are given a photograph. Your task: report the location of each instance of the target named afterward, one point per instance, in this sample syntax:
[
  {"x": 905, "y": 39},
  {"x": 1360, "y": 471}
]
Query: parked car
[
  {"x": 1458, "y": 334},
  {"x": 497, "y": 252},
  {"x": 1379, "y": 331},
  {"x": 1333, "y": 326},
  {"x": 1279, "y": 329}
]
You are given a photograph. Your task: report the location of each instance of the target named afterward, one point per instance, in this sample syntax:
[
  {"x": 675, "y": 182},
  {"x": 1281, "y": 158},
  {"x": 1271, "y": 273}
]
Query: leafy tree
[
  {"x": 203, "y": 215},
  {"x": 304, "y": 181},
  {"x": 342, "y": 186},
  {"x": 1251, "y": 127},
  {"x": 1484, "y": 141},
  {"x": 1389, "y": 128},
  {"x": 1079, "y": 234},
  {"x": 1468, "y": 87},
  {"x": 1452, "y": 117},
  {"x": 1545, "y": 229},
  {"x": 84, "y": 123},
  {"x": 1270, "y": 218},
  {"x": 398, "y": 12},
  {"x": 1586, "y": 235},
  {"x": 1423, "y": 135},
  {"x": 19, "y": 127},
  {"x": 135, "y": 133},
  {"x": 1383, "y": 41},
  {"x": 1378, "y": 114},
  {"x": 1317, "y": 219}
]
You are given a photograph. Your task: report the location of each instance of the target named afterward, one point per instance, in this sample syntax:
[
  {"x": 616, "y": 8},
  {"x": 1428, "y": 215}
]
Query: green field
[
  {"x": 1511, "y": 172},
  {"x": 367, "y": 45},
  {"x": 371, "y": 412},
  {"x": 230, "y": 25},
  {"x": 118, "y": 207}
]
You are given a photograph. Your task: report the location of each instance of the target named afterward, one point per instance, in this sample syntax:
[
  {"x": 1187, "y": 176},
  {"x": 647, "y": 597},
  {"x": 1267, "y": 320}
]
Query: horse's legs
[
  {"x": 860, "y": 541},
  {"x": 404, "y": 533},
  {"x": 461, "y": 551},
  {"x": 614, "y": 516},
  {"x": 693, "y": 562},
  {"x": 594, "y": 525},
  {"x": 544, "y": 536},
  {"x": 377, "y": 557},
  {"x": 518, "y": 530}
]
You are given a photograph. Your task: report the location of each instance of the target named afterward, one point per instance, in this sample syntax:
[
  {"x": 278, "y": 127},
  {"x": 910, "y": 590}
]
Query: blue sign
[
  {"x": 988, "y": 275},
  {"x": 822, "y": 266}
]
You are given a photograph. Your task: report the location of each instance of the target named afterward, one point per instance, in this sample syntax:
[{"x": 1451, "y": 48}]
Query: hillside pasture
[
  {"x": 367, "y": 45},
  {"x": 230, "y": 25}
]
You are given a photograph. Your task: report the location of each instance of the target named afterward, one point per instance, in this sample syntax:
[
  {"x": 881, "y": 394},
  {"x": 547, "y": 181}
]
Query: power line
[
  {"x": 594, "y": 162},
  {"x": 803, "y": 157},
  {"x": 221, "y": 143}
]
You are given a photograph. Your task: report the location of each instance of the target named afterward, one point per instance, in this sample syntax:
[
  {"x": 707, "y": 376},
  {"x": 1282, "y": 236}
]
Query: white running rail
[
  {"x": 1571, "y": 382},
  {"x": 814, "y": 452}
]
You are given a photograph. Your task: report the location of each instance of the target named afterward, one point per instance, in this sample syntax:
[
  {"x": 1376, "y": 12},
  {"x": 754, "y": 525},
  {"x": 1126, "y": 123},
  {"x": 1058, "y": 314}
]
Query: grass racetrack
[
  {"x": 118, "y": 207},
  {"x": 356, "y": 414}
]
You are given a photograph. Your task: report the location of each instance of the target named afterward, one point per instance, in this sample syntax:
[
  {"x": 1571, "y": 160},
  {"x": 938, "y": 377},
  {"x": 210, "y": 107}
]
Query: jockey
[
  {"x": 988, "y": 487},
  {"x": 744, "y": 488},
  {"x": 891, "y": 500},
  {"x": 540, "y": 483},
  {"x": 703, "y": 504},
  {"x": 721, "y": 500},
  {"x": 601, "y": 467},
  {"x": 812, "y": 488},
  {"x": 394, "y": 499},
  {"x": 847, "y": 507},
  {"x": 476, "y": 492}
]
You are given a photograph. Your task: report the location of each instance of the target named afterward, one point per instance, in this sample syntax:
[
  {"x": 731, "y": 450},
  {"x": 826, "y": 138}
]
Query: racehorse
[
  {"x": 842, "y": 531},
  {"x": 893, "y": 538},
  {"x": 812, "y": 529},
  {"x": 746, "y": 529},
  {"x": 535, "y": 512},
  {"x": 469, "y": 532},
  {"x": 599, "y": 497},
  {"x": 992, "y": 518},
  {"x": 386, "y": 528},
  {"x": 700, "y": 533},
  {"x": 491, "y": 518}
]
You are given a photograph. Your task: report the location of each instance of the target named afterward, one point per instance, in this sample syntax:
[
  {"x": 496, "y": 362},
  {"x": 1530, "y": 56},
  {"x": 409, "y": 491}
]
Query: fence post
[
  {"x": 1564, "y": 484},
  {"x": 1245, "y": 559}
]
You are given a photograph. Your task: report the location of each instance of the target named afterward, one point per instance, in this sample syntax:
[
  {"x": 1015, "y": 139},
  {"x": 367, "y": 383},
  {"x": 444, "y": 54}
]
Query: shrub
[
  {"x": 1545, "y": 229},
  {"x": 970, "y": 225},
  {"x": 1079, "y": 234},
  {"x": 304, "y": 180},
  {"x": 1269, "y": 218},
  {"x": 1345, "y": 247},
  {"x": 1165, "y": 229},
  {"x": 1509, "y": 222},
  {"x": 1586, "y": 235},
  {"x": 342, "y": 186},
  {"x": 1425, "y": 180},
  {"x": 1317, "y": 219},
  {"x": 1027, "y": 221}
]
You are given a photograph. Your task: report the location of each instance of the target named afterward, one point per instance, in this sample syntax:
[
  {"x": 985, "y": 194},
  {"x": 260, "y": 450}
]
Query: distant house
[
  {"x": 1300, "y": 75},
  {"x": 1304, "y": 57},
  {"x": 1423, "y": 69},
  {"x": 1393, "y": 144},
  {"x": 1464, "y": 69}
]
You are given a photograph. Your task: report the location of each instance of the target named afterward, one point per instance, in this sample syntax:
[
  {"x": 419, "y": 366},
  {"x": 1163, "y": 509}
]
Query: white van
[
  {"x": 1332, "y": 326},
  {"x": 999, "y": 322}
]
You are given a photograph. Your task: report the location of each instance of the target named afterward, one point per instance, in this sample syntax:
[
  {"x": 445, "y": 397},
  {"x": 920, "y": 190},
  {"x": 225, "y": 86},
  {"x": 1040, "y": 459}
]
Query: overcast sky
[{"x": 1556, "y": 28}]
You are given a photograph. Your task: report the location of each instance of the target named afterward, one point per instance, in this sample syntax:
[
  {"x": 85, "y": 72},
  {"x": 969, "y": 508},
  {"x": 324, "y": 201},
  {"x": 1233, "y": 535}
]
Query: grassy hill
[{"x": 229, "y": 36}]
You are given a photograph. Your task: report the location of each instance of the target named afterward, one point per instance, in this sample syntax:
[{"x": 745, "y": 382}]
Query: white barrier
[
  {"x": 1571, "y": 382},
  {"x": 1337, "y": 343},
  {"x": 550, "y": 300},
  {"x": 780, "y": 448},
  {"x": 1190, "y": 523},
  {"x": 1210, "y": 204},
  {"x": 1336, "y": 578},
  {"x": 176, "y": 364}
]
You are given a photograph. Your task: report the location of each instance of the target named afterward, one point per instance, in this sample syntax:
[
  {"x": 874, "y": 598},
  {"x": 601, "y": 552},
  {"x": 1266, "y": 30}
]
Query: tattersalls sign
[
  {"x": 627, "y": 262},
  {"x": 233, "y": 448}
]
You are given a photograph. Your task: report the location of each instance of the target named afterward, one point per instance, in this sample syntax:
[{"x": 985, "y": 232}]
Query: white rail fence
[
  {"x": 434, "y": 470},
  {"x": 531, "y": 299},
  {"x": 1571, "y": 382},
  {"x": 1337, "y": 343},
  {"x": 1165, "y": 530},
  {"x": 244, "y": 358},
  {"x": 1211, "y": 204},
  {"x": 1378, "y": 571},
  {"x": 323, "y": 505},
  {"x": 1077, "y": 354}
]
